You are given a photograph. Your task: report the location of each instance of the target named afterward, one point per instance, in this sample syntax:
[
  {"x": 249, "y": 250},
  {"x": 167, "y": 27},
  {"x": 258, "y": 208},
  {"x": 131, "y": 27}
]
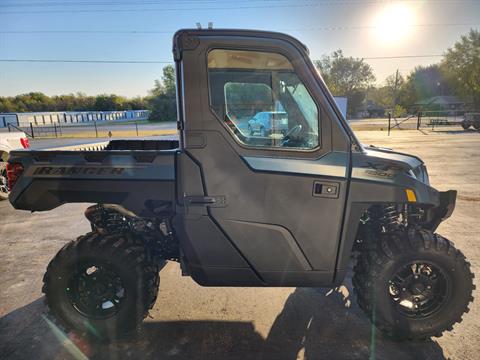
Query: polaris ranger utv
[{"x": 236, "y": 208}]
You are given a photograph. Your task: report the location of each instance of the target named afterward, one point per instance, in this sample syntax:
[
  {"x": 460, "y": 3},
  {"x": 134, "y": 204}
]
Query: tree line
[
  {"x": 37, "y": 101},
  {"x": 458, "y": 73}
]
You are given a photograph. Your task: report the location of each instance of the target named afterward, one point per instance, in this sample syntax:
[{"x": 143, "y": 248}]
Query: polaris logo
[{"x": 78, "y": 170}]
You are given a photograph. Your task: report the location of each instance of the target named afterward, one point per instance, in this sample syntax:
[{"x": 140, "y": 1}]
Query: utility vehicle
[
  {"x": 268, "y": 122},
  {"x": 241, "y": 210},
  {"x": 8, "y": 142},
  {"x": 471, "y": 119}
]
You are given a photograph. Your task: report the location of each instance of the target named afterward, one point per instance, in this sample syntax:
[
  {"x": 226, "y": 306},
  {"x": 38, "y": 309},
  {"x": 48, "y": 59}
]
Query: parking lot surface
[{"x": 192, "y": 322}]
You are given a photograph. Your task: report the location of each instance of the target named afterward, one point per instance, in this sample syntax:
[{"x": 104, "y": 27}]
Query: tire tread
[{"x": 374, "y": 258}]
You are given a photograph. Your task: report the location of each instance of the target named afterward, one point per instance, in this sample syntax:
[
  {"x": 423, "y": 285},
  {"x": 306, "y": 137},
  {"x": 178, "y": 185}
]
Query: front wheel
[
  {"x": 101, "y": 285},
  {"x": 413, "y": 285},
  {"x": 465, "y": 125}
]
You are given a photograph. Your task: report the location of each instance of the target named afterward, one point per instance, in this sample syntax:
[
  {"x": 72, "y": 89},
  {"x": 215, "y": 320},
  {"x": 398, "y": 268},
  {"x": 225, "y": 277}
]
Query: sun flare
[{"x": 393, "y": 24}]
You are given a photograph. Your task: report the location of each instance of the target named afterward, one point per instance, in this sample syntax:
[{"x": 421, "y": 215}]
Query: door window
[{"x": 261, "y": 100}]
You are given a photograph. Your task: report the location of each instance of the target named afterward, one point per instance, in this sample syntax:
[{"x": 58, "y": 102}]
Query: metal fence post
[
  {"x": 96, "y": 130},
  {"x": 389, "y": 122},
  {"x": 31, "y": 129},
  {"x": 419, "y": 119},
  {"x": 8, "y": 125},
  {"x": 136, "y": 127},
  {"x": 55, "y": 127}
]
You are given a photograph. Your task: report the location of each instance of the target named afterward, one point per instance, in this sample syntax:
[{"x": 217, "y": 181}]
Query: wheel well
[
  {"x": 367, "y": 220},
  {"x": 156, "y": 233},
  {"x": 388, "y": 217}
]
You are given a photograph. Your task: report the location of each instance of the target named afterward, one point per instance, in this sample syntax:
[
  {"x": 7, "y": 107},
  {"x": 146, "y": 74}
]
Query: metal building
[{"x": 70, "y": 117}]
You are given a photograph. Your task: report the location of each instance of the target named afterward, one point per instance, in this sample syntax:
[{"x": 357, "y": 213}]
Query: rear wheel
[
  {"x": 101, "y": 285},
  {"x": 413, "y": 285},
  {"x": 465, "y": 125},
  {"x": 3, "y": 181},
  {"x": 476, "y": 125}
]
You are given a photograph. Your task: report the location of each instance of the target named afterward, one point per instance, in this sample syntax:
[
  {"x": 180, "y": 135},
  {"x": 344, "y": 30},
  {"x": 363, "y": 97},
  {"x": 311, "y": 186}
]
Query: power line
[
  {"x": 88, "y": 61},
  {"x": 399, "y": 57},
  {"x": 269, "y": 6},
  {"x": 141, "y": 3},
  {"x": 325, "y": 28},
  {"x": 88, "y": 32},
  {"x": 163, "y": 2},
  {"x": 170, "y": 62},
  {"x": 159, "y": 10}
]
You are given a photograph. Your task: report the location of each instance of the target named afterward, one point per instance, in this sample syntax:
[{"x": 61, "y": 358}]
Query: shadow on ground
[
  {"x": 456, "y": 132},
  {"x": 314, "y": 324}
]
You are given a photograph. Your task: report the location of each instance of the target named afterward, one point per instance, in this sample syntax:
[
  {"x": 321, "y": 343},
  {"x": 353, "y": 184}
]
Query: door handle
[
  {"x": 326, "y": 189},
  {"x": 212, "y": 201}
]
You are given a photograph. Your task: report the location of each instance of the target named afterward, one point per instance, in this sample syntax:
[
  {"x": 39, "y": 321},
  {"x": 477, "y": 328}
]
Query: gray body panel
[{"x": 133, "y": 179}]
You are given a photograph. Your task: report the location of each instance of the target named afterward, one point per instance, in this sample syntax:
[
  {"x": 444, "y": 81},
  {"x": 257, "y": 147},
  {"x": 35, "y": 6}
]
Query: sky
[{"x": 141, "y": 30}]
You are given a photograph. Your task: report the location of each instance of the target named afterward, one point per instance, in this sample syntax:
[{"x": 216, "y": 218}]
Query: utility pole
[{"x": 395, "y": 97}]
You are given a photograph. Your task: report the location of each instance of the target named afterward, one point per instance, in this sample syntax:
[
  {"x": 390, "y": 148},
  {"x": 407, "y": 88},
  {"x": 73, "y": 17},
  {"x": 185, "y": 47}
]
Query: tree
[
  {"x": 169, "y": 82},
  {"x": 461, "y": 67},
  {"x": 138, "y": 103},
  {"x": 36, "y": 101},
  {"x": 162, "y": 102},
  {"x": 346, "y": 76},
  {"x": 384, "y": 95},
  {"x": 422, "y": 83},
  {"x": 110, "y": 102}
]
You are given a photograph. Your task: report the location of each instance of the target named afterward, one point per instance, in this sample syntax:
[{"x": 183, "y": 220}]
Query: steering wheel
[{"x": 291, "y": 134}]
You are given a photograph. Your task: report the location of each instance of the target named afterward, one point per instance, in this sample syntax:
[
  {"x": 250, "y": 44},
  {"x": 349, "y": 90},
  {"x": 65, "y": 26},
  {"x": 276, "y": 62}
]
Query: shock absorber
[{"x": 390, "y": 218}]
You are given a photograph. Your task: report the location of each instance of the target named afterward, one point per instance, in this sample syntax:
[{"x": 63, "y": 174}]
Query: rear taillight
[
  {"x": 14, "y": 171},
  {"x": 25, "y": 143}
]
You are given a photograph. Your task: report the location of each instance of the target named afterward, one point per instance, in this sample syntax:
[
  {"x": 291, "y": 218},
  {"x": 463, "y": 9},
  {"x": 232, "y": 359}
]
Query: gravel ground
[{"x": 192, "y": 322}]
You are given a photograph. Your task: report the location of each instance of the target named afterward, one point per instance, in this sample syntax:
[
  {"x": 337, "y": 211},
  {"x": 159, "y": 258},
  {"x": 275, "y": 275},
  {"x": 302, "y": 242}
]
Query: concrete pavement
[{"x": 193, "y": 322}]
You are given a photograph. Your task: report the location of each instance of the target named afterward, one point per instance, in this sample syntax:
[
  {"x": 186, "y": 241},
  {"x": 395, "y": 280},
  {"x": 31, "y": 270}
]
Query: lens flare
[{"x": 393, "y": 24}]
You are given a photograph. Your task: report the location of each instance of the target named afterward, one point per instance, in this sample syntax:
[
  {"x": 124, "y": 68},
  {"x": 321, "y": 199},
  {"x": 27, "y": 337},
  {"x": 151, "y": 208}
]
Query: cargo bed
[{"x": 137, "y": 174}]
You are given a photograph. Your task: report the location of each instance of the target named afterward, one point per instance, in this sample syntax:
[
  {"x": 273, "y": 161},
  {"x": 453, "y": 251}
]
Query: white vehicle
[{"x": 9, "y": 141}]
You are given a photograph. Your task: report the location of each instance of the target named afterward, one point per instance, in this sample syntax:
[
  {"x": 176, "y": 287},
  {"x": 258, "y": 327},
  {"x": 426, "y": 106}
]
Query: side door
[{"x": 278, "y": 200}]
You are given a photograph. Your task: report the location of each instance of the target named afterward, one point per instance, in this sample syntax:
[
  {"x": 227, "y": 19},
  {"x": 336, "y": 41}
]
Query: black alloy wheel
[
  {"x": 413, "y": 284},
  {"x": 419, "y": 289},
  {"x": 96, "y": 291},
  {"x": 101, "y": 285}
]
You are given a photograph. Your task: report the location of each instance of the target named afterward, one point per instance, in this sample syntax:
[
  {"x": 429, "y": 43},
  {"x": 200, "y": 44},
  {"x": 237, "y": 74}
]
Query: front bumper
[{"x": 443, "y": 211}]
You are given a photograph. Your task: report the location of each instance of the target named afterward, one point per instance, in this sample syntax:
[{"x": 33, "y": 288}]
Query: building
[
  {"x": 369, "y": 109},
  {"x": 440, "y": 103},
  {"x": 69, "y": 117}
]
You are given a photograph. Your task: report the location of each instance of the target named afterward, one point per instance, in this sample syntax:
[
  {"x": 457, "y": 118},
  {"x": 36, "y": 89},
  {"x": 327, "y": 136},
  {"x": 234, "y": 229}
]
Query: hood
[
  {"x": 383, "y": 164},
  {"x": 391, "y": 155}
]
